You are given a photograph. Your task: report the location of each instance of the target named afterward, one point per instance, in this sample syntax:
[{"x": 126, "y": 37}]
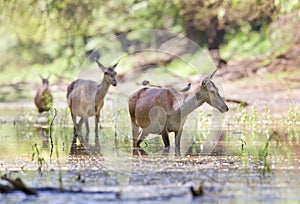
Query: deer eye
[{"x": 205, "y": 81}]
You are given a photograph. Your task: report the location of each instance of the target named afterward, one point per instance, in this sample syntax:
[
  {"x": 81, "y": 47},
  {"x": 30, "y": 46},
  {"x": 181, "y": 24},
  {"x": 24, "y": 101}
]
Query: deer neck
[
  {"x": 189, "y": 103},
  {"x": 44, "y": 87},
  {"x": 102, "y": 89}
]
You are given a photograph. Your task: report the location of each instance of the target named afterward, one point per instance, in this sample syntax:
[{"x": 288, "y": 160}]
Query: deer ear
[
  {"x": 100, "y": 65},
  {"x": 115, "y": 65},
  {"x": 42, "y": 78},
  {"x": 205, "y": 80},
  {"x": 212, "y": 74}
]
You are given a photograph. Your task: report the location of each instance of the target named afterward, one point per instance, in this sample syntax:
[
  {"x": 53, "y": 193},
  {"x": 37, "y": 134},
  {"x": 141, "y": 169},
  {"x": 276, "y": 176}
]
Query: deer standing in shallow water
[
  {"x": 161, "y": 110},
  {"x": 86, "y": 98},
  {"x": 43, "y": 98}
]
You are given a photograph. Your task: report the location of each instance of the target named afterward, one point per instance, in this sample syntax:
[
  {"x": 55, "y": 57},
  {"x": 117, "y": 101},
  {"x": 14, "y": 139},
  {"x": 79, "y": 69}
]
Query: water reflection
[
  {"x": 231, "y": 169},
  {"x": 44, "y": 133},
  {"x": 81, "y": 146},
  {"x": 210, "y": 147},
  {"x": 44, "y": 126}
]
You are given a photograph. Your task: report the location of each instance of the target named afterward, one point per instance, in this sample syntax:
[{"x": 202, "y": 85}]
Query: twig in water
[
  {"x": 19, "y": 185},
  {"x": 50, "y": 132}
]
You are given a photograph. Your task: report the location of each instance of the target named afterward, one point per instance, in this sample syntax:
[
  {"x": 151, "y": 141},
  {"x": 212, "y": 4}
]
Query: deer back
[
  {"x": 81, "y": 97},
  {"x": 43, "y": 98},
  {"x": 145, "y": 100}
]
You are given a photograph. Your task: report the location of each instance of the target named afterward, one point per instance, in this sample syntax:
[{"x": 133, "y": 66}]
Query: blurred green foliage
[
  {"x": 57, "y": 35},
  {"x": 244, "y": 43}
]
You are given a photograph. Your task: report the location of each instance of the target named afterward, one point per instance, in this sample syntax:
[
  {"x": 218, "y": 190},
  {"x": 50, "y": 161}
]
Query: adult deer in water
[
  {"x": 86, "y": 97},
  {"x": 43, "y": 98},
  {"x": 162, "y": 110}
]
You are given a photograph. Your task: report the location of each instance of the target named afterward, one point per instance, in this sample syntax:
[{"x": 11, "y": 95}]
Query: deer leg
[
  {"x": 97, "y": 116},
  {"x": 143, "y": 134},
  {"x": 177, "y": 142},
  {"x": 135, "y": 134},
  {"x": 74, "y": 123},
  {"x": 87, "y": 129},
  {"x": 79, "y": 125},
  {"x": 86, "y": 122},
  {"x": 165, "y": 137}
]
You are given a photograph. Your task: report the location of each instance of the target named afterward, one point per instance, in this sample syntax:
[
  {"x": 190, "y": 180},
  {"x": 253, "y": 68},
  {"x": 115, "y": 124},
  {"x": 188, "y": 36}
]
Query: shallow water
[{"x": 235, "y": 167}]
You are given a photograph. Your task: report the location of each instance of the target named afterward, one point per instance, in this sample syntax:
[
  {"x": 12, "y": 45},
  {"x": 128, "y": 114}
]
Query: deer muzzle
[{"x": 114, "y": 83}]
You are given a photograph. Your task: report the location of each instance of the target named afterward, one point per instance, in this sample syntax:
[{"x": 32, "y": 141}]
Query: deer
[
  {"x": 86, "y": 98},
  {"x": 163, "y": 110},
  {"x": 43, "y": 98}
]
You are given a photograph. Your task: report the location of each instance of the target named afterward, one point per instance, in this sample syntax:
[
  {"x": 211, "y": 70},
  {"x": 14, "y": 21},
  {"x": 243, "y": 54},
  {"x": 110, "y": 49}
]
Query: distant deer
[
  {"x": 86, "y": 97},
  {"x": 162, "y": 110},
  {"x": 43, "y": 98}
]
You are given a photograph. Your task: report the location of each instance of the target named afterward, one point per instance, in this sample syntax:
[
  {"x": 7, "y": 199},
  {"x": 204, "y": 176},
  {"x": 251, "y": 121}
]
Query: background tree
[{"x": 59, "y": 33}]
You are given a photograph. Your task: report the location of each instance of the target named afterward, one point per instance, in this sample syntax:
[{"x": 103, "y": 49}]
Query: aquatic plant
[
  {"x": 292, "y": 123},
  {"x": 243, "y": 144},
  {"x": 60, "y": 180},
  {"x": 39, "y": 159},
  {"x": 265, "y": 152}
]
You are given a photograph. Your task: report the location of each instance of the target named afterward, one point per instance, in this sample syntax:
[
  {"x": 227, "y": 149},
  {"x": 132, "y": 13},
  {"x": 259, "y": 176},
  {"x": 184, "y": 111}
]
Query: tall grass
[{"x": 262, "y": 136}]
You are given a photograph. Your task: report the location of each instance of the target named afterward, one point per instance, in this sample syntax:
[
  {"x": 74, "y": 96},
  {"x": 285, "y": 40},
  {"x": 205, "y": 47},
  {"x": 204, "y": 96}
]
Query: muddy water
[{"x": 103, "y": 169}]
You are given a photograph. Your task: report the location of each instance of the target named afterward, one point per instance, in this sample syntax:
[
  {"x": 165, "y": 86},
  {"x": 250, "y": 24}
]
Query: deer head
[
  {"x": 45, "y": 81},
  {"x": 210, "y": 94},
  {"x": 109, "y": 73}
]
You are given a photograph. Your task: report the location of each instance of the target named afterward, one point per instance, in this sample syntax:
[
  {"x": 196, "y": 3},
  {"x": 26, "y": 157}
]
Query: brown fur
[
  {"x": 161, "y": 110},
  {"x": 43, "y": 98},
  {"x": 86, "y": 98}
]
